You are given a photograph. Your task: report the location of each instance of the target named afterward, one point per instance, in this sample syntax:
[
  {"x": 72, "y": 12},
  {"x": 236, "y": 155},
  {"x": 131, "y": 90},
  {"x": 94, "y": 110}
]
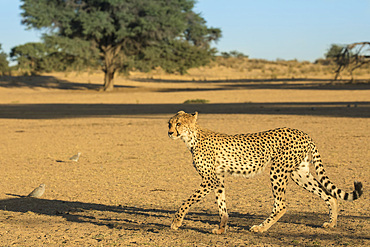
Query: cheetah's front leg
[{"x": 198, "y": 195}]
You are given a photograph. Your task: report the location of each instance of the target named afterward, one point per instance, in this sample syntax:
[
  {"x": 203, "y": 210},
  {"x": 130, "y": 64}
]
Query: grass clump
[{"x": 196, "y": 101}]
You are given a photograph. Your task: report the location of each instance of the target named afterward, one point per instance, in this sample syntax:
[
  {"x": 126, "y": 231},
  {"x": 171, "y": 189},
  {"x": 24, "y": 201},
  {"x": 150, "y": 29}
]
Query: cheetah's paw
[
  {"x": 218, "y": 231},
  {"x": 176, "y": 224},
  {"x": 256, "y": 228},
  {"x": 329, "y": 225}
]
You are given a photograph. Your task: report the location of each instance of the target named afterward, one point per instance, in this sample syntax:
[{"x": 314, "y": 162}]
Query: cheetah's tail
[{"x": 328, "y": 185}]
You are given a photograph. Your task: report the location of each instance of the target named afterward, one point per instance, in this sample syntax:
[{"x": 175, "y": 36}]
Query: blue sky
[{"x": 268, "y": 29}]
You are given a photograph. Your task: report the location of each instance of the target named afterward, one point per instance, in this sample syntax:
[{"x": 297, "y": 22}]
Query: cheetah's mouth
[{"x": 174, "y": 136}]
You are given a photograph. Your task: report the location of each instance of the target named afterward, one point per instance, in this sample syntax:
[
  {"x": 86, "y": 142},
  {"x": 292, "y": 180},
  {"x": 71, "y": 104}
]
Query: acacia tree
[
  {"x": 351, "y": 57},
  {"x": 122, "y": 31}
]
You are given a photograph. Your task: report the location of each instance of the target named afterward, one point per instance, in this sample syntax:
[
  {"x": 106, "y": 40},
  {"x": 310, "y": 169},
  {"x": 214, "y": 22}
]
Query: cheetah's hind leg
[{"x": 305, "y": 179}]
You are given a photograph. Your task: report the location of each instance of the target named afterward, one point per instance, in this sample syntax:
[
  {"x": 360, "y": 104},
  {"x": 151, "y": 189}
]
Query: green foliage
[
  {"x": 4, "y": 65},
  {"x": 334, "y": 51},
  {"x": 124, "y": 33},
  {"x": 176, "y": 56},
  {"x": 69, "y": 54},
  {"x": 51, "y": 55},
  {"x": 198, "y": 33},
  {"x": 29, "y": 56}
]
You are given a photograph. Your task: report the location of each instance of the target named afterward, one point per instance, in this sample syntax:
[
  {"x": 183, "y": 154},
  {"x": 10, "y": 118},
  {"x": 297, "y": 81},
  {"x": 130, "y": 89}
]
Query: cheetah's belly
[{"x": 242, "y": 164}]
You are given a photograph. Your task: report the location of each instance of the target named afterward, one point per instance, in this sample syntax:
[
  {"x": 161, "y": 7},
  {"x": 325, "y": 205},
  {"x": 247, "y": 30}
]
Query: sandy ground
[{"x": 131, "y": 178}]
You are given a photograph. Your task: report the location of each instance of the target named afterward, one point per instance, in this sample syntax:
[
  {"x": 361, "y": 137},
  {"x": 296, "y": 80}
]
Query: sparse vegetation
[
  {"x": 232, "y": 68},
  {"x": 196, "y": 101}
]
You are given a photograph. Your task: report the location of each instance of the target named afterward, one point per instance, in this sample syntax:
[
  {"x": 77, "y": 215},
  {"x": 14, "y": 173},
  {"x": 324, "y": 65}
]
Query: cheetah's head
[{"x": 182, "y": 124}]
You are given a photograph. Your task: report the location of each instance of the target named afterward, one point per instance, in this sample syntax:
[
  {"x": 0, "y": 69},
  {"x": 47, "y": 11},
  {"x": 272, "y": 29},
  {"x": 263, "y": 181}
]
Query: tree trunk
[
  {"x": 110, "y": 53},
  {"x": 108, "y": 81}
]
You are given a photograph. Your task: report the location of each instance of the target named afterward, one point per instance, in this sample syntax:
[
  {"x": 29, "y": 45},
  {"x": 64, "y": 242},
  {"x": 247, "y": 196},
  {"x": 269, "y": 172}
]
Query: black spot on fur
[{"x": 345, "y": 197}]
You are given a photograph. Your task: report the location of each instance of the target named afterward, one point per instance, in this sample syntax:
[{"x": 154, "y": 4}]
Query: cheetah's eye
[{"x": 178, "y": 124}]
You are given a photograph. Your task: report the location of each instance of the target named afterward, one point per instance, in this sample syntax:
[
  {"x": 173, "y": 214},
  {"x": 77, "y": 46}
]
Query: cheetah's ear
[
  {"x": 195, "y": 115},
  {"x": 180, "y": 112}
]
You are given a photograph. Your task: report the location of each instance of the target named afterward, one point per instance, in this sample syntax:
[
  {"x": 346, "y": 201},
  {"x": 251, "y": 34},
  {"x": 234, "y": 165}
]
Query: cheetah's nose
[{"x": 170, "y": 133}]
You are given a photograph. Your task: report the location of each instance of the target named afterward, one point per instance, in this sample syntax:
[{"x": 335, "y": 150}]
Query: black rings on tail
[
  {"x": 358, "y": 190},
  {"x": 328, "y": 185}
]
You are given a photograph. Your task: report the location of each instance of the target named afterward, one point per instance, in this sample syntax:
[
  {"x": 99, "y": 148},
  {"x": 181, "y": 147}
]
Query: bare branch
[{"x": 352, "y": 57}]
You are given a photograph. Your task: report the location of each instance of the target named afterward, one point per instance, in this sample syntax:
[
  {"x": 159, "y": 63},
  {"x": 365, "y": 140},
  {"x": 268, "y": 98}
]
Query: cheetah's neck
[{"x": 194, "y": 136}]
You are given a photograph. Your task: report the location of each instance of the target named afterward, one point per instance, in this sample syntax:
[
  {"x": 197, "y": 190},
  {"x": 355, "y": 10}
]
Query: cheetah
[{"x": 288, "y": 151}]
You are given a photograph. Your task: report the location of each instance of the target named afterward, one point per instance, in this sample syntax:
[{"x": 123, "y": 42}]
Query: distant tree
[
  {"x": 237, "y": 54},
  {"x": 4, "y": 64},
  {"x": 334, "y": 51},
  {"x": 233, "y": 53},
  {"x": 351, "y": 57},
  {"x": 29, "y": 56},
  {"x": 225, "y": 54},
  {"x": 47, "y": 56},
  {"x": 126, "y": 33}
]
